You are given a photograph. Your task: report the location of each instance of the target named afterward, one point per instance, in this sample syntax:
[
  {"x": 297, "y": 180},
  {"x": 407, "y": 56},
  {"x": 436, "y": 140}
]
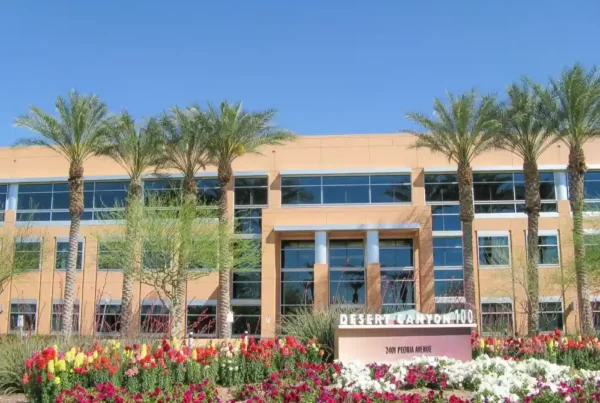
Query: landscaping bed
[{"x": 528, "y": 370}]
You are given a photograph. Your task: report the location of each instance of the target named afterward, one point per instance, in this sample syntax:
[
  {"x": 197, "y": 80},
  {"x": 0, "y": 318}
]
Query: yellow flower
[
  {"x": 194, "y": 354},
  {"x": 56, "y": 348},
  {"x": 61, "y": 365},
  {"x": 144, "y": 351},
  {"x": 95, "y": 355},
  {"x": 79, "y": 359},
  {"x": 90, "y": 359},
  {"x": 579, "y": 338},
  {"x": 50, "y": 366},
  {"x": 481, "y": 344},
  {"x": 57, "y": 380},
  {"x": 176, "y": 344}
]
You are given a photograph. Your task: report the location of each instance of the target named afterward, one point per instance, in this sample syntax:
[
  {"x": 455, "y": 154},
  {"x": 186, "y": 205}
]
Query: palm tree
[
  {"x": 572, "y": 108},
  {"x": 525, "y": 133},
  {"x": 461, "y": 131},
  {"x": 137, "y": 151},
  {"x": 185, "y": 141},
  {"x": 234, "y": 132},
  {"x": 77, "y": 134}
]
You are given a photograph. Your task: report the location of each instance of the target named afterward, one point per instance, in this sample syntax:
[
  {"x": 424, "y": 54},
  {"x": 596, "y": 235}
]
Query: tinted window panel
[{"x": 343, "y": 194}]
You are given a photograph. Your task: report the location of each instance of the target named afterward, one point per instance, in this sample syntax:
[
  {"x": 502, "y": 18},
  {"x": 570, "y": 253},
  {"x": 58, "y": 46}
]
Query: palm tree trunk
[
  {"x": 533, "y": 206},
  {"x": 577, "y": 170},
  {"x": 225, "y": 256},
  {"x": 465, "y": 196},
  {"x": 134, "y": 205},
  {"x": 76, "y": 210}
]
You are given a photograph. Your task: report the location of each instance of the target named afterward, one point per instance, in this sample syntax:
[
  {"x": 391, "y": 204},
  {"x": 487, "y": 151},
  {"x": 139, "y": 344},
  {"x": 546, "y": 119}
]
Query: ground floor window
[
  {"x": 23, "y": 316},
  {"x": 154, "y": 317},
  {"x": 297, "y": 290},
  {"x": 57, "y": 314},
  {"x": 246, "y": 319},
  {"x": 397, "y": 290},
  {"x": 497, "y": 317},
  {"x": 108, "y": 318},
  {"x": 551, "y": 316},
  {"x": 246, "y": 285},
  {"x": 596, "y": 314},
  {"x": 347, "y": 286},
  {"x": 201, "y": 318},
  {"x": 445, "y": 305}
]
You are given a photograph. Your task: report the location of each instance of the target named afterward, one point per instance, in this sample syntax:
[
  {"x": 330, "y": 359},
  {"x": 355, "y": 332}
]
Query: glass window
[
  {"x": 494, "y": 251},
  {"x": 504, "y": 192},
  {"x": 251, "y": 192},
  {"x": 551, "y": 316},
  {"x": 62, "y": 255},
  {"x": 443, "y": 308},
  {"x": 355, "y": 189},
  {"x": 591, "y": 191},
  {"x": 297, "y": 278},
  {"x": 344, "y": 253},
  {"x": 26, "y": 310},
  {"x": 3, "y": 196},
  {"x": 246, "y": 285},
  {"x": 596, "y": 315},
  {"x": 497, "y": 318},
  {"x": 441, "y": 188},
  {"x": 50, "y": 201},
  {"x": 170, "y": 190},
  {"x": 447, "y": 251},
  {"x": 396, "y": 253},
  {"x": 246, "y": 320},
  {"x": 57, "y": 312},
  {"x": 202, "y": 320},
  {"x": 27, "y": 255},
  {"x": 111, "y": 254},
  {"x": 448, "y": 282},
  {"x": 248, "y": 221},
  {"x": 347, "y": 286},
  {"x": 301, "y": 190},
  {"x": 154, "y": 318},
  {"x": 548, "y": 246},
  {"x": 397, "y": 290},
  {"x": 108, "y": 318},
  {"x": 445, "y": 218}
]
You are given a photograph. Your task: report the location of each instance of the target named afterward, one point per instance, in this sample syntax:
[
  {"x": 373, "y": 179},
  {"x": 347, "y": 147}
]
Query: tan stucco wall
[{"x": 307, "y": 153}]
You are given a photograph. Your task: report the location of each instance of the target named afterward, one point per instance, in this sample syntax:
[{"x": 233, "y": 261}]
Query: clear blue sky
[{"x": 334, "y": 66}]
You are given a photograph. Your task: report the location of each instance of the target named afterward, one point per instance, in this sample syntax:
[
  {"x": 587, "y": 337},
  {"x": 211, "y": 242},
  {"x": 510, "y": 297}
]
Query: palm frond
[
  {"x": 461, "y": 128},
  {"x": 77, "y": 132}
]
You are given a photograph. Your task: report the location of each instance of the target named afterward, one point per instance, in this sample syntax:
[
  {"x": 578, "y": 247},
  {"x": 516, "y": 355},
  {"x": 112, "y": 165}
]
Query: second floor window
[
  {"x": 356, "y": 189},
  {"x": 62, "y": 255},
  {"x": 28, "y": 253},
  {"x": 50, "y": 201},
  {"x": 591, "y": 190}
]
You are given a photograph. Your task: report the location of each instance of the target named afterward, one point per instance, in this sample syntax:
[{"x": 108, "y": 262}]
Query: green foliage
[
  {"x": 319, "y": 324},
  {"x": 15, "y": 350}
]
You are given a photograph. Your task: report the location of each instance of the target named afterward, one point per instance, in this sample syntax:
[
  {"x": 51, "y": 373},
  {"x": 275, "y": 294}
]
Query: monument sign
[{"x": 403, "y": 335}]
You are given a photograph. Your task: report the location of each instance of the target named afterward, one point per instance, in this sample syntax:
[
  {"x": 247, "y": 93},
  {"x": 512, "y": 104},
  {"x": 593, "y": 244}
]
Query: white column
[
  {"x": 13, "y": 191},
  {"x": 372, "y": 247},
  {"x": 320, "y": 247},
  {"x": 560, "y": 181}
]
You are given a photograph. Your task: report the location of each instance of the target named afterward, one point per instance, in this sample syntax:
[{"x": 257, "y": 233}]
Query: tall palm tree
[
  {"x": 137, "y": 151},
  {"x": 461, "y": 131},
  {"x": 572, "y": 106},
  {"x": 524, "y": 132},
  {"x": 234, "y": 132},
  {"x": 185, "y": 142},
  {"x": 77, "y": 133}
]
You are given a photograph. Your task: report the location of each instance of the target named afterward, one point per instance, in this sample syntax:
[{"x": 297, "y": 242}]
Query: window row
[{"x": 357, "y": 189}]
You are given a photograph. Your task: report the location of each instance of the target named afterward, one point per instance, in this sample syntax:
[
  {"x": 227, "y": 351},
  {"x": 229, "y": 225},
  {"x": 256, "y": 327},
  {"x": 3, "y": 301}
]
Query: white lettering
[
  {"x": 470, "y": 316},
  {"x": 353, "y": 319},
  {"x": 420, "y": 319},
  {"x": 409, "y": 320},
  {"x": 369, "y": 319},
  {"x": 387, "y": 320},
  {"x": 445, "y": 320},
  {"x": 400, "y": 319},
  {"x": 343, "y": 319},
  {"x": 379, "y": 319},
  {"x": 437, "y": 319},
  {"x": 429, "y": 318},
  {"x": 463, "y": 316},
  {"x": 361, "y": 319}
]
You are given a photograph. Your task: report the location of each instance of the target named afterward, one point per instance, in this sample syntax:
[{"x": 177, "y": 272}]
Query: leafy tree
[
  {"x": 461, "y": 130},
  {"x": 233, "y": 132},
  {"x": 78, "y": 133}
]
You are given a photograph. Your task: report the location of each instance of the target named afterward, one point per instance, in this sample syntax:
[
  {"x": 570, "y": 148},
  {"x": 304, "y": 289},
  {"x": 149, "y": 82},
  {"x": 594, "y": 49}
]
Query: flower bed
[
  {"x": 582, "y": 352},
  {"x": 141, "y": 369}
]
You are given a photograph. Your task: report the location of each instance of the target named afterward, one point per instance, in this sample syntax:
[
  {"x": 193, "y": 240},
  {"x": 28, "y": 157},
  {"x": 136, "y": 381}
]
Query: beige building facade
[{"x": 354, "y": 220}]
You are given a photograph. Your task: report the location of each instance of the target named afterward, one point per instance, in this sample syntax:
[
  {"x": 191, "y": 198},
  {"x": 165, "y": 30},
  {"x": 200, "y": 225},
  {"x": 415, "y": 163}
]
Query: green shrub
[
  {"x": 307, "y": 323},
  {"x": 15, "y": 350}
]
